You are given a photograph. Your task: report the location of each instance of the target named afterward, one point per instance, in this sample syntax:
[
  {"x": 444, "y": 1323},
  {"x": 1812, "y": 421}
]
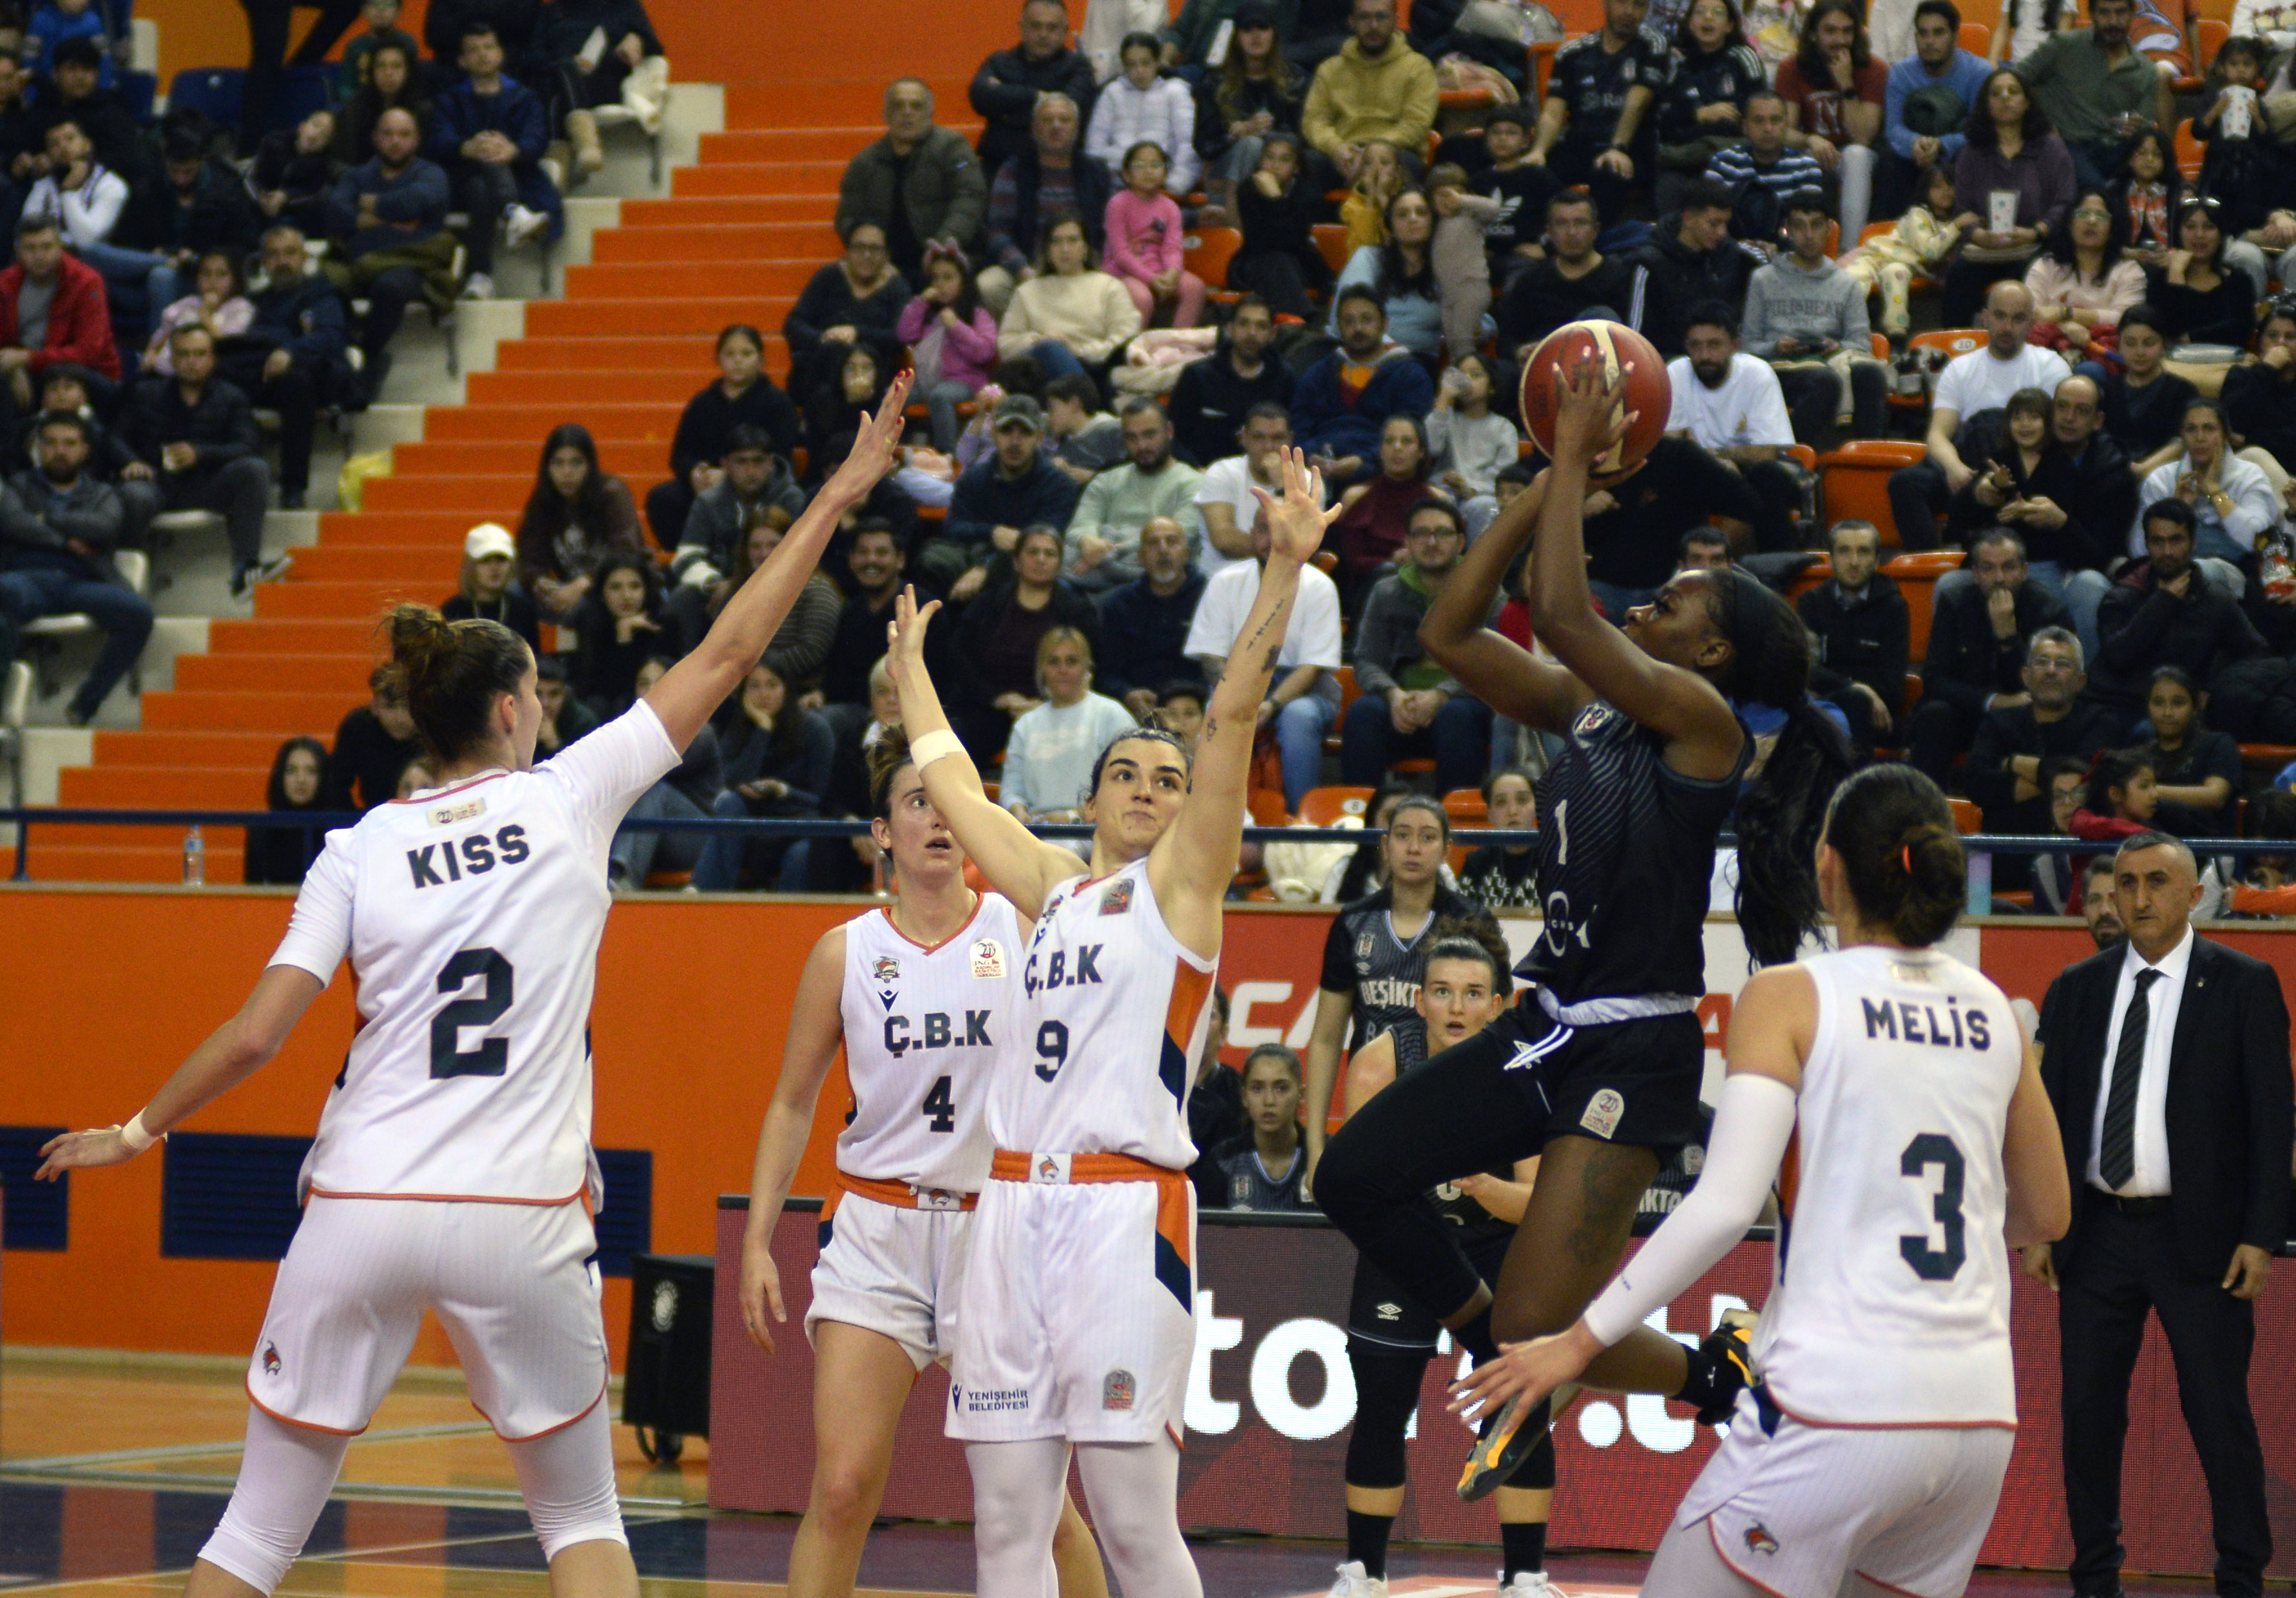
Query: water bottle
[
  {"x": 2274, "y": 566},
  {"x": 195, "y": 859}
]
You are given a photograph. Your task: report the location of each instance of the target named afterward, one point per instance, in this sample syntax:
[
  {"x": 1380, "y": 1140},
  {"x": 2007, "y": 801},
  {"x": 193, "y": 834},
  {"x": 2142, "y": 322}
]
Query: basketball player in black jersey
[{"x": 1597, "y": 1067}]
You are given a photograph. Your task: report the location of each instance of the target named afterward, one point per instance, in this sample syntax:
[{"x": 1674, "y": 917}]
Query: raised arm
[
  {"x": 693, "y": 688},
  {"x": 815, "y": 1032},
  {"x": 1018, "y": 864},
  {"x": 1191, "y": 865},
  {"x": 1493, "y": 668},
  {"x": 1703, "y": 737}
]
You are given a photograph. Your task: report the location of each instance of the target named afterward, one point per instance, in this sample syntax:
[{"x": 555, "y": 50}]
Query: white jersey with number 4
[
  {"x": 921, "y": 1030},
  {"x": 1890, "y": 1305},
  {"x": 470, "y": 916},
  {"x": 1108, "y": 1022}
]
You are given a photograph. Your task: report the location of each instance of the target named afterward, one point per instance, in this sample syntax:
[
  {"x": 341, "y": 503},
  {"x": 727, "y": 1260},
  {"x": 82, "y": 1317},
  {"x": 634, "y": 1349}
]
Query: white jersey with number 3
[
  {"x": 922, "y": 1031},
  {"x": 472, "y": 916},
  {"x": 1890, "y": 1305}
]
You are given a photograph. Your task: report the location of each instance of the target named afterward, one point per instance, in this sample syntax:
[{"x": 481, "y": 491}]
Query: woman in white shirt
[
  {"x": 84, "y": 200},
  {"x": 1048, "y": 759},
  {"x": 2232, "y": 498},
  {"x": 2272, "y": 21}
]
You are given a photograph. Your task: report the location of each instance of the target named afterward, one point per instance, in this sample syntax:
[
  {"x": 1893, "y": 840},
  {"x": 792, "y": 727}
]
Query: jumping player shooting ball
[
  {"x": 1076, "y": 1313},
  {"x": 452, "y": 1170},
  {"x": 1888, "y": 1091},
  {"x": 1596, "y": 1068}
]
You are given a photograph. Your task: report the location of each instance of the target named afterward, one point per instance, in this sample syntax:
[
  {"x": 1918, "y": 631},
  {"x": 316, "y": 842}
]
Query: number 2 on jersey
[
  {"x": 448, "y": 1058},
  {"x": 1937, "y": 1264}
]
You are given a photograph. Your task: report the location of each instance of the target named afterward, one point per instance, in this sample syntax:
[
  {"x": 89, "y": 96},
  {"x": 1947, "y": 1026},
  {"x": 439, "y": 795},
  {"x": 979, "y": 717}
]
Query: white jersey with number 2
[
  {"x": 1891, "y": 1301},
  {"x": 470, "y": 916}
]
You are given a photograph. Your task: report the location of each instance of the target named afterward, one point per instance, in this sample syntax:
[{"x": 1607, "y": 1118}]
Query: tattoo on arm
[{"x": 1610, "y": 1187}]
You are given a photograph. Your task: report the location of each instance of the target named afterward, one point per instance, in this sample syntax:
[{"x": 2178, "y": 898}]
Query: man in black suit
[{"x": 2166, "y": 1062}]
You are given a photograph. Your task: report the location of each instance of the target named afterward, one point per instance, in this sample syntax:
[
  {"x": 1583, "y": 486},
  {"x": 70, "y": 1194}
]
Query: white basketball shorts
[{"x": 892, "y": 1270}]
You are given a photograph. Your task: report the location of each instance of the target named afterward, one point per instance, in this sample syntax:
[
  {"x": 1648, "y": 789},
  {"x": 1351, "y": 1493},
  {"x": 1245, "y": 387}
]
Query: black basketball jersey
[
  {"x": 1594, "y": 84},
  {"x": 1244, "y": 1182},
  {"x": 1455, "y": 1208},
  {"x": 1626, "y": 861},
  {"x": 1365, "y": 959}
]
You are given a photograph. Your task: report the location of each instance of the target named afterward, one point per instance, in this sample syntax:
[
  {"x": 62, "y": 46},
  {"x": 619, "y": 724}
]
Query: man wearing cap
[
  {"x": 994, "y": 499},
  {"x": 490, "y": 557}
]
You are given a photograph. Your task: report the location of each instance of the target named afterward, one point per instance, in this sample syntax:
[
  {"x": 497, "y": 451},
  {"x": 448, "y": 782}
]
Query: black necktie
[{"x": 2116, "y": 1148}]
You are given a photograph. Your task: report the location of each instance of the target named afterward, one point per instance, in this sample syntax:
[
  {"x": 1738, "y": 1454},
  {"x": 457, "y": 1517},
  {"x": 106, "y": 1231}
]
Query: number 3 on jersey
[
  {"x": 448, "y": 1058},
  {"x": 1937, "y": 1264}
]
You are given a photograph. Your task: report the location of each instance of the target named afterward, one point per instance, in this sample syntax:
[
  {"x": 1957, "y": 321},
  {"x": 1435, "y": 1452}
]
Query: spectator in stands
[
  {"x": 1635, "y": 526},
  {"x": 1376, "y": 517},
  {"x": 2259, "y": 401},
  {"x": 564, "y": 718},
  {"x": 55, "y": 21},
  {"x": 744, "y": 396},
  {"x": 217, "y": 302},
  {"x": 1103, "y": 535},
  {"x": 1214, "y": 396},
  {"x": 577, "y": 514},
  {"x": 1180, "y": 711},
  {"x": 1140, "y": 105},
  {"x": 376, "y": 743},
  {"x": 357, "y": 63},
  {"x": 1044, "y": 183},
  {"x": 2010, "y": 149},
  {"x": 1069, "y": 316},
  {"x": 1807, "y": 317},
  {"x": 800, "y": 645},
  {"x": 1499, "y": 876},
  {"x": 921, "y": 184},
  {"x": 1569, "y": 282},
  {"x": 777, "y": 756},
  {"x": 618, "y": 634},
  {"x": 58, "y": 529},
  {"x": 2081, "y": 284},
  {"x": 996, "y": 637},
  {"x": 487, "y": 591},
  {"x": 1012, "y": 85},
  {"x": 1224, "y": 495},
  {"x": 952, "y": 339},
  {"x": 282, "y": 855},
  {"x": 1863, "y": 629},
  {"x": 72, "y": 92},
  {"x": 753, "y": 486},
  {"x": 2232, "y": 500},
  {"x": 1521, "y": 190},
  {"x": 87, "y": 199},
  {"x": 2120, "y": 797},
  {"x": 1402, "y": 273},
  {"x": 1731, "y": 403},
  {"x": 873, "y": 568},
  {"x": 1979, "y": 633},
  {"x": 2145, "y": 402},
  {"x": 2197, "y": 768},
  {"x": 489, "y": 133},
  {"x": 2017, "y": 736},
  {"x": 2201, "y": 299},
  {"x": 1145, "y": 247},
  {"x": 389, "y": 219},
  {"x": 1143, "y": 625},
  {"x": 1690, "y": 260},
  {"x": 1595, "y": 127},
  {"x": 1472, "y": 443},
  {"x": 1766, "y": 172},
  {"x": 1085, "y": 440},
  {"x": 1833, "y": 87},
  {"x": 2095, "y": 89},
  {"x": 1927, "y": 105},
  {"x": 204, "y": 204},
  {"x": 1376, "y": 87},
  {"x": 1410, "y": 705},
  {"x": 1703, "y": 548},
  {"x": 1303, "y": 700},
  {"x": 850, "y": 386},
  {"x": 1276, "y": 206},
  {"x": 2166, "y": 611},
  {"x": 268, "y": 24},
  {"x": 1253, "y": 92},
  {"x": 586, "y": 54},
  {"x": 689, "y": 793},
  {"x": 394, "y": 82},
  {"x": 292, "y": 355},
  {"x": 1971, "y": 384},
  {"x": 854, "y": 301},
  {"x": 21, "y": 154},
  {"x": 1702, "y": 107},
  {"x": 1049, "y": 756},
  {"x": 1262, "y": 1168},
  {"x": 1216, "y": 1100},
  {"x": 994, "y": 499},
  {"x": 1342, "y": 404},
  {"x": 197, "y": 433},
  {"x": 64, "y": 391}
]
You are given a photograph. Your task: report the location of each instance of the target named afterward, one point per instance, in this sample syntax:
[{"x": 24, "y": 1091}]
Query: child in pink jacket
[
  {"x": 1145, "y": 251},
  {"x": 952, "y": 339}
]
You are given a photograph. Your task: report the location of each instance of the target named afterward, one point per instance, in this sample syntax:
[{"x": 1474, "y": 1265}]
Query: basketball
[{"x": 1645, "y": 392}]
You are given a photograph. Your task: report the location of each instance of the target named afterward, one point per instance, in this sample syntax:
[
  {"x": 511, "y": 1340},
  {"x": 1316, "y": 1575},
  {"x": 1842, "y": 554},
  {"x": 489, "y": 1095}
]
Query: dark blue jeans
[
  {"x": 125, "y": 616},
  {"x": 1459, "y": 740}
]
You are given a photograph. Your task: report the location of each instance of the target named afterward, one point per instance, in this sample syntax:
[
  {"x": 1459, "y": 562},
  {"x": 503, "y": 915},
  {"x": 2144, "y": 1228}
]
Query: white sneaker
[
  {"x": 1354, "y": 1584},
  {"x": 479, "y": 286},
  {"x": 519, "y": 224},
  {"x": 1530, "y": 1584}
]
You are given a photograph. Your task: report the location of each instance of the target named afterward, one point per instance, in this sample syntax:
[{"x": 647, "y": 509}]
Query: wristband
[
  {"x": 134, "y": 1136},
  {"x": 934, "y": 746}
]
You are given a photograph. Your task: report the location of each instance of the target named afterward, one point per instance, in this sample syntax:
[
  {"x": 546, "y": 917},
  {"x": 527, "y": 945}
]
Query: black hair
[
  {"x": 2144, "y": 316},
  {"x": 1441, "y": 506},
  {"x": 875, "y": 524},
  {"x": 1413, "y": 799},
  {"x": 2101, "y": 865},
  {"x": 1980, "y": 130},
  {"x": 1139, "y": 41},
  {"x": 1078, "y": 387},
  {"x": 1521, "y": 472},
  {"x": 36, "y": 222},
  {"x": 78, "y": 51},
  {"x": 1419, "y": 428},
  {"x": 2112, "y": 768},
  {"x": 1137, "y": 145},
  {"x": 1811, "y": 56},
  {"x": 450, "y": 673},
  {"x": 1021, "y": 374},
  {"x": 546, "y": 515},
  {"x": 2058, "y": 766},
  {"x": 2208, "y": 207},
  {"x": 1362, "y": 292},
  {"x": 746, "y": 436},
  {"x": 1265, "y": 410},
  {"x": 1234, "y": 94},
  {"x": 1396, "y": 277},
  {"x": 1574, "y": 197},
  {"x": 2173, "y": 509},
  {"x": 1802, "y": 201},
  {"x": 1894, "y": 832},
  {"x": 2271, "y": 813},
  {"x": 885, "y": 758},
  {"x": 2061, "y": 242},
  {"x": 1712, "y": 313},
  {"x": 1708, "y": 194},
  {"x": 1491, "y": 780},
  {"x": 1779, "y": 812},
  {"x": 1477, "y": 938},
  {"x": 649, "y": 574},
  {"x": 1276, "y": 1051},
  {"x": 1170, "y": 739},
  {"x": 1249, "y": 302},
  {"x": 1940, "y": 8},
  {"x": 70, "y": 419},
  {"x": 1687, "y": 43},
  {"x": 739, "y": 330},
  {"x": 477, "y": 27},
  {"x": 275, "y": 791},
  {"x": 2032, "y": 401},
  {"x": 1183, "y": 688},
  {"x": 1515, "y": 116},
  {"x": 2173, "y": 673}
]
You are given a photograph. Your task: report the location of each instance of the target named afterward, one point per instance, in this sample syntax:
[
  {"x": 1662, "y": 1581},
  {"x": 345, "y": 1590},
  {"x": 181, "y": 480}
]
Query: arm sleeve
[
  {"x": 319, "y": 935},
  {"x": 1752, "y": 1125},
  {"x": 602, "y": 775}
]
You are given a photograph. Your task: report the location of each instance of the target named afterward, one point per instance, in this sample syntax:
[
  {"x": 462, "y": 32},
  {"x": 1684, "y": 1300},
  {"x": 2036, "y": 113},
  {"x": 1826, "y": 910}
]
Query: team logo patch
[
  {"x": 988, "y": 959},
  {"x": 1116, "y": 1390},
  {"x": 1603, "y": 1113},
  {"x": 1363, "y": 945},
  {"x": 1050, "y": 1169},
  {"x": 1693, "y": 1160},
  {"x": 1758, "y": 1539},
  {"x": 885, "y": 969},
  {"x": 1117, "y": 900},
  {"x": 446, "y": 816},
  {"x": 1239, "y": 1192},
  {"x": 665, "y": 1306},
  {"x": 270, "y": 1359},
  {"x": 1591, "y": 720}
]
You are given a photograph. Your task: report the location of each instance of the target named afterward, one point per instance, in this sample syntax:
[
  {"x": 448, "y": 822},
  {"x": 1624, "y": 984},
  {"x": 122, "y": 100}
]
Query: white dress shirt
[{"x": 2161, "y": 1005}]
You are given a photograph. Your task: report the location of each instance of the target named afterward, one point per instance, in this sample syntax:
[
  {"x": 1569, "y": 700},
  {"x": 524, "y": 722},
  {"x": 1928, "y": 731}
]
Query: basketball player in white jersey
[
  {"x": 1888, "y": 1090},
  {"x": 917, "y": 995},
  {"x": 1075, "y": 1317},
  {"x": 451, "y": 1171}
]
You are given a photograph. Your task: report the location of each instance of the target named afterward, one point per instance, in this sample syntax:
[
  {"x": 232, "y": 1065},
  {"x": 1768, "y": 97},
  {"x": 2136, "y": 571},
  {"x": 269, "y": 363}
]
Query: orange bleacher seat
[
  {"x": 1854, "y": 483},
  {"x": 1323, "y": 806},
  {"x": 1332, "y": 242},
  {"x": 1967, "y": 819},
  {"x": 2212, "y": 34},
  {"x": 1542, "y": 63},
  {"x": 1466, "y": 809},
  {"x": 1208, "y": 252},
  {"x": 1976, "y": 37},
  {"x": 1267, "y": 807},
  {"x": 2190, "y": 151},
  {"x": 2267, "y": 757}
]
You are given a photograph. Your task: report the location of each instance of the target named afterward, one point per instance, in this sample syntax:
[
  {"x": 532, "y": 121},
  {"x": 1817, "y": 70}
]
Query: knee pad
[{"x": 1387, "y": 1390}]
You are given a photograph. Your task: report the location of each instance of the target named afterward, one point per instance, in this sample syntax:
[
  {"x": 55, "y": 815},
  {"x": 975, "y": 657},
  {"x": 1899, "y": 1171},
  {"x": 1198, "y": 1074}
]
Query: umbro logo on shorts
[{"x": 1390, "y": 1312}]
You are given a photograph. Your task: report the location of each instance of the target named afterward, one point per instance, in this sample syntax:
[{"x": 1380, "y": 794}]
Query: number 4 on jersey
[{"x": 940, "y": 1108}]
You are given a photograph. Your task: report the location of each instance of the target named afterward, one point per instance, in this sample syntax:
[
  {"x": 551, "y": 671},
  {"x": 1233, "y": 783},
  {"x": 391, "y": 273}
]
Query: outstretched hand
[
  {"x": 905, "y": 634},
  {"x": 82, "y": 1151},
  {"x": 1589, "y": 418},
  {"x": 1296, "y": 521},
  {"x": 875, "y": 444},
  {"x": 1532, "y": 1370}
]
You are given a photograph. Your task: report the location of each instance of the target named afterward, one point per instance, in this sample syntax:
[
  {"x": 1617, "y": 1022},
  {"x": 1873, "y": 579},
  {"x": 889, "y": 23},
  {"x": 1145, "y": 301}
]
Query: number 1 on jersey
[{"x": 448, "y": 1058}]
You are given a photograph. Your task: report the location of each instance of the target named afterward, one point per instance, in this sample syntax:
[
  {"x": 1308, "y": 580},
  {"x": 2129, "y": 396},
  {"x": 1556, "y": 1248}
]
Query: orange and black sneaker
[
  {"x": 1729, "y": 1367},
  {"x": 1506, "y": 1441}
]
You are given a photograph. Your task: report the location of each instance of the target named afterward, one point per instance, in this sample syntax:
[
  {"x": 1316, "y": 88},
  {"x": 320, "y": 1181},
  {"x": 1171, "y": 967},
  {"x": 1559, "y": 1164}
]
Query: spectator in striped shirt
[{"x": 1764, "y": 173}]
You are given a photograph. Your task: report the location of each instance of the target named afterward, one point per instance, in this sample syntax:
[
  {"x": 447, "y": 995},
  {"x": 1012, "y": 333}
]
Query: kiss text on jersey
[{"x": 473, "y": 856}]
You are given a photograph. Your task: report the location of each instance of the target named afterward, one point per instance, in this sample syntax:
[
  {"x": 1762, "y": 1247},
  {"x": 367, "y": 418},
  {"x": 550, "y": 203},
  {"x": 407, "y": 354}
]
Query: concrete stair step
[
  {"x": 695, "y": 239},
  {"x": 597, "y": 318},
  {"x": 179, "y": 788},
  {"x": 282, "y": 714},
  {"x": 528, "y": 425},
  {"x": 233, "y": 751},
  {"x": 344, "y": 675}
]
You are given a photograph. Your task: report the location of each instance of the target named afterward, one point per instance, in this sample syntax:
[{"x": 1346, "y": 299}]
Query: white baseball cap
[{"x": 489, "y": 538}]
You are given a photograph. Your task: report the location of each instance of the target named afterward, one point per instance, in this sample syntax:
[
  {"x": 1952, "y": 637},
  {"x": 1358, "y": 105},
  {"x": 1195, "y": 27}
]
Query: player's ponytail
[
  {"x": 450, "y": 673},
  {"x": 1899, "y": 849},
  {"x": 885, "y": 758},
  {"x": 1783, "y": 808}
]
